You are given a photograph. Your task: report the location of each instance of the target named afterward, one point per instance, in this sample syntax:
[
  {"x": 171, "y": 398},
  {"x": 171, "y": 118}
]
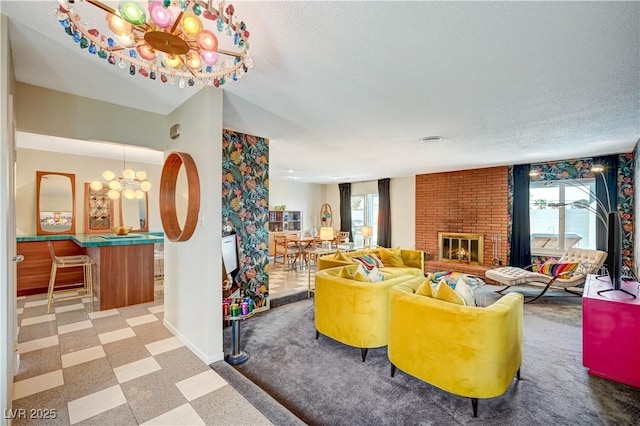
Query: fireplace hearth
[{"x": 461, "y": 247}]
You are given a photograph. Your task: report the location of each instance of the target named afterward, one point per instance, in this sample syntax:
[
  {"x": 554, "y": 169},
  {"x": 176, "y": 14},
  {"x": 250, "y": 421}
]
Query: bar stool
[
  {"x": 83, "y": 261},
  {"x": 158, "y": 259}
]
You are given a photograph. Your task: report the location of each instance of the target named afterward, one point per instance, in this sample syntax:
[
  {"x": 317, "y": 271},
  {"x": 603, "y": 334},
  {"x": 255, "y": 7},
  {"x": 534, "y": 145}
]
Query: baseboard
[{"x": 206, "y": 359}]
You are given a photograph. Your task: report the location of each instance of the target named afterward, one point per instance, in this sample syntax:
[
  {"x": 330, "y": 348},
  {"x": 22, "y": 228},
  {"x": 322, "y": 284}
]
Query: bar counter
[{"x": 124, "y": 265}]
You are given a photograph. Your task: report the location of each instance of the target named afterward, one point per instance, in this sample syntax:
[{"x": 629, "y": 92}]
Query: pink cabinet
[{"x": 611, "y": 331}]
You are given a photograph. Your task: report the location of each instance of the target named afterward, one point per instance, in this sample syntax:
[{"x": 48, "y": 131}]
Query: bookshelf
[{"x": 285, "y": 221}]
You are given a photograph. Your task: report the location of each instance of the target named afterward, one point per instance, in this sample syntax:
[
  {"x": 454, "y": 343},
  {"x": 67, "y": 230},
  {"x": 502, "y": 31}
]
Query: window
[
  {"x": 364, "y": 211},
  {"x": 562, "y": 215}
]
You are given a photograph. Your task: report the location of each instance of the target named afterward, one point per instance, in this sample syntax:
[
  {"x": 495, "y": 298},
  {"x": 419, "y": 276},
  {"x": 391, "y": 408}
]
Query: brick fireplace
[{"x": 470, "y": 202}]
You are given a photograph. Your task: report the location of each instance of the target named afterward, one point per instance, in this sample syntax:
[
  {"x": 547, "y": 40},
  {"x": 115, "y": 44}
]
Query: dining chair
[
  {"x": 342, "y": 237},
  {"x": 280, "y": 249}
]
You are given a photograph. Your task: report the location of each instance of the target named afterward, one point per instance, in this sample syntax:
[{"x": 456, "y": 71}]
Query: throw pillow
[
  {"x": 463, "y": 289},
  {"x": 412, "y": 258},
  {"x": 341, "y": 256},
  {"x": 368, "y": 261},
  {"x": 585, "y": 268},
  {"x": 391, "y": 258},
  {"x": 538, "y": 264},
  {"x": 554, "y": 269},
  {"x": 446, "y": 293},
  {"x": 437, "y": 276},
  {"x": 425, "y": 289},
  {"x": 344, "y": 273},
  {"x": 359, "y": 276},
  {"x": 375, "y": 275}
]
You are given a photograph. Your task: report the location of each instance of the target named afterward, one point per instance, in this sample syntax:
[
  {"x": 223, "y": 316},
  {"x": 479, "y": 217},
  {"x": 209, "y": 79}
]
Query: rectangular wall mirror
[
  {"x": 55, "y": 203},
  {"x": 98, "y": 210},
  {"x": 134, "y": 212}
]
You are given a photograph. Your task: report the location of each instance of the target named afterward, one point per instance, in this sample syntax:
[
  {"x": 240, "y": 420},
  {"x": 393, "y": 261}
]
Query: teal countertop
[{"x": 100, "y": 240}]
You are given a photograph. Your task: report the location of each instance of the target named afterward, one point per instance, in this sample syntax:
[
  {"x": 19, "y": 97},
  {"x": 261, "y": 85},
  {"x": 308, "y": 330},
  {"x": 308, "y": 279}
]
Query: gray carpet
[{"x": 325, "y": 383}]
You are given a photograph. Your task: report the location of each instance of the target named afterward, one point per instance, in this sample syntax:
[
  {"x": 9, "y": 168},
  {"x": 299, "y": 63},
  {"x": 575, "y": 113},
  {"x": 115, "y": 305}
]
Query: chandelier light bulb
[
  {"x": 193, "y": 61},
  {"x": 132, "y": 12},
  {"x": 145, "y": 186},
  {"x": 127, "y": 40},
  {"x": 128, "y": 194},
  {"x": 96, "y": 185},
  {"x": 159, "y": 15},
  {"x": 147, "y": 52},
  {"x": 108, "y": 175},
  {"x": 141, "y": 175},
  {"x": 118, "y": 25},
  {"x": 129, "y": 174},
  {"x": 113, "y": 194},
  {"x": 191, "y": 25},
  {"x": 115, "y": 185},
  {"x": 209, "y": 57},
  {"x": 207, "y": 40},
  {"x": 138, "y": 194},
  {"x": 171, "y": 61}
]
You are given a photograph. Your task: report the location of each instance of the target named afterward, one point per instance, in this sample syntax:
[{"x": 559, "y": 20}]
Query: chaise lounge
[{"x": 585, "y": 262}]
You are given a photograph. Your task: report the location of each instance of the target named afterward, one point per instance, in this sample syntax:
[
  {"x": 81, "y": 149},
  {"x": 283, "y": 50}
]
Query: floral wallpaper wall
[
  {"x": 510, "y": 212},
  {"x": 626, "y": 165},
  {"x": 580, "y": 168},
  {"x": 245, "y": 195},
  {"x": 636, "y": 210}
]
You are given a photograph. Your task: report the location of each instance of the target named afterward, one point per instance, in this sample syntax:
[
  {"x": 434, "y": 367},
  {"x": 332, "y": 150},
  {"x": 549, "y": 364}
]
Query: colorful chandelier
[{"x": 165, "y": 39}]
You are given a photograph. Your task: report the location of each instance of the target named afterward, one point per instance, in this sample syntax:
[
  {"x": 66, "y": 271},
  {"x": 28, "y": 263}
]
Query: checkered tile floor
[
  {"x": 79, "y": 365},
  {"x": 284, "y": 281}
]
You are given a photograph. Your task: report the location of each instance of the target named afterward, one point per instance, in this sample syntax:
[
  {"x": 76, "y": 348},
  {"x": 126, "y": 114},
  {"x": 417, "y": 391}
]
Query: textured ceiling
[{"x": 345, "y": 90}]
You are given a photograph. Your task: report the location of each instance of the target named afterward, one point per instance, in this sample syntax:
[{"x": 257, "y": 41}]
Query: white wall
[
  {"x": 48, "y": 112},
  {"x": 193, "y": 268},
  {"x": 86, "y": 169},
  {"x": 306, "y": 197},
  {"x": 403, "y": 207},
  {"x": 7, "y": 213}
]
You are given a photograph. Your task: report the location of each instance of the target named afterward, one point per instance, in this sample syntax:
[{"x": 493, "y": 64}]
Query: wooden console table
[{"x": 611, "y": 331}]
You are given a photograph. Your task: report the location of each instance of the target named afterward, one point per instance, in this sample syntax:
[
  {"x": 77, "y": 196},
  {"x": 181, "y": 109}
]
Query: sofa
[
  {"x": 465, "y": 350},
  {"x": 353, "y": 312}
]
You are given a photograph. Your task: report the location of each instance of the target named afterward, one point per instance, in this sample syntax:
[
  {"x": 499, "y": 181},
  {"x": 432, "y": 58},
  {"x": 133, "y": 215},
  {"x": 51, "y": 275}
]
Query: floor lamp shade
[{"x": 326, "y": 235}]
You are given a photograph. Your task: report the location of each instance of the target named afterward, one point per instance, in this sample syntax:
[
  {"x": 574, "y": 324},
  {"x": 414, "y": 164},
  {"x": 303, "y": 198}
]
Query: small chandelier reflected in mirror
[{"x": 193, "y": 40}]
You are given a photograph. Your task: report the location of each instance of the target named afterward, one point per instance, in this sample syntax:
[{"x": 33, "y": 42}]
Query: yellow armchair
[
  {"x": 465, "y": 350},
  {"x": 352, "y": 312}
]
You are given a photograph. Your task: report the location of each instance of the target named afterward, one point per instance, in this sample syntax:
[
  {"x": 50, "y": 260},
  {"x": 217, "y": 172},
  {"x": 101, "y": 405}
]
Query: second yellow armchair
[{"x": 465, "y": 350}]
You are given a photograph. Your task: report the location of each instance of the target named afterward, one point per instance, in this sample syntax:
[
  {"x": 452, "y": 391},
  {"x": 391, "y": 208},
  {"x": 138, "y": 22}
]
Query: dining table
[{"x": 304, "y": 243}]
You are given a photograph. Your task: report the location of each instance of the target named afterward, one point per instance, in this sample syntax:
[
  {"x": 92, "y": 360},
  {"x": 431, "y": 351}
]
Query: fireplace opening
[{"x": 461, "y": 247}]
